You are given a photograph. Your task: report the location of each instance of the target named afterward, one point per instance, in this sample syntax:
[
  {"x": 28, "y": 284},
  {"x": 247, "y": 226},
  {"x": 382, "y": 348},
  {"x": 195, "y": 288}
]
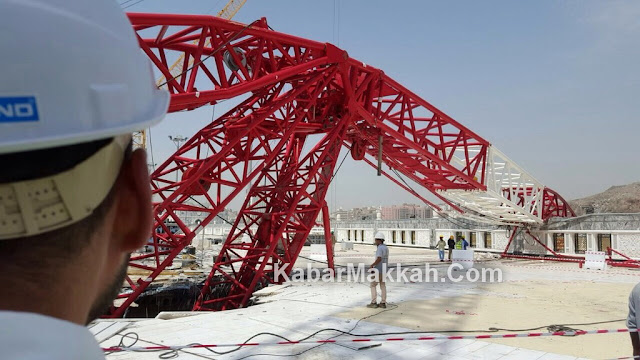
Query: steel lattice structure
[{"x": 305, "y": 100}]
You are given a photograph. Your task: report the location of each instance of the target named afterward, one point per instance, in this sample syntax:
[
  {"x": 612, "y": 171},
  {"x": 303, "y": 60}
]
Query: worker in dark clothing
[{"x": 452, "y": 245}]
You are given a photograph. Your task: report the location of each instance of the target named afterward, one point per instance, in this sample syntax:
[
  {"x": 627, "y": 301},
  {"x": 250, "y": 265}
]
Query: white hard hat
[
  {"x": 72, "y": 71},
  {"x": 379, "y": 236}
]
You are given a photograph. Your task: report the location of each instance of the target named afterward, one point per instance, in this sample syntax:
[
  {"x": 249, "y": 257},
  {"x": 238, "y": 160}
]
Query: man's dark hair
[{"x": 56, "y": 247}]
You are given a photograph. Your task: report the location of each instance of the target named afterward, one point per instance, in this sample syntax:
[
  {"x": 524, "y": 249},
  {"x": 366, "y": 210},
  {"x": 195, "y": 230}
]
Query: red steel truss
[
  {"x": 277, "y": 216},
  {"x": 305, "y": 100}
]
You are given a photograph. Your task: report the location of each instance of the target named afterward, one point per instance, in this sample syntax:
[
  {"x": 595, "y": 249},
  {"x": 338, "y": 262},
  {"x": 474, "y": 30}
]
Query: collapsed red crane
[{"x": 304, "y": 101}]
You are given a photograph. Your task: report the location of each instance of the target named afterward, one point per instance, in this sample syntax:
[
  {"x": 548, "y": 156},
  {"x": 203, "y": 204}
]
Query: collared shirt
[
  {"x": 441, "y": 244},
  {"x": 30, "y": 336},
  {"x": 382, "y": 251},
  {"x": 634, "y": 307}
]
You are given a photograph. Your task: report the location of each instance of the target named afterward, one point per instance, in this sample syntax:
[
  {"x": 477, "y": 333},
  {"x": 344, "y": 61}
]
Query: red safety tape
[
  {"x": 381, "y": 339},
  {"x": 570, "y": 269},
  {"x": 367, "y": 256},
  {"x": 567, "y": 259},
  {"x": 406, "y": 257},
  {"x": 394, "y": 258}
]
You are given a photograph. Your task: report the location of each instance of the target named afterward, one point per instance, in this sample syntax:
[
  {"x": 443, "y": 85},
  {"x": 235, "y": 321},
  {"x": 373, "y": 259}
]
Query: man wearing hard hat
[
  {"x": 74, "y": 198},
  {"x": 451, "y": 243},
  {"x": 441, "y": 246},
  {"x": 380, "y": 268}
]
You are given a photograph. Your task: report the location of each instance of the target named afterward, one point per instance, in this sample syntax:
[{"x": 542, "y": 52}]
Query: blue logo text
[{"x": 18, "y": 109}]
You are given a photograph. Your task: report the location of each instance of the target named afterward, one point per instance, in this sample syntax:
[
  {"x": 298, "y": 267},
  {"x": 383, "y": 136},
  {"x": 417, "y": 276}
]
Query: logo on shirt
[{"x": 18, "y": 109}]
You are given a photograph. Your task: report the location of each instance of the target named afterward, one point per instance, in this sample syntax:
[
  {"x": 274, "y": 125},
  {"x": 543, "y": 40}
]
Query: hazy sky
[{"x": 553, "y": 84}]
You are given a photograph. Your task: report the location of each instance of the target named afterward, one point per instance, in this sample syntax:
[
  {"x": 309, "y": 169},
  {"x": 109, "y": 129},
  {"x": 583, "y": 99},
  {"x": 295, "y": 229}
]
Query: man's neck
[{"x": 62, "y": 302}]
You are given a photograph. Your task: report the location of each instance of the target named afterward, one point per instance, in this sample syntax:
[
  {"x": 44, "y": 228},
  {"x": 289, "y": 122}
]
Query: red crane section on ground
[{"x": 305, "y": 100}]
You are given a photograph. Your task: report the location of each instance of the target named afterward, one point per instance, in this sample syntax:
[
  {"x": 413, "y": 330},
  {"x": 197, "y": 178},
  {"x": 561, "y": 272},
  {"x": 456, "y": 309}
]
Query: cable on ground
[{"x": 553, "y": 329}]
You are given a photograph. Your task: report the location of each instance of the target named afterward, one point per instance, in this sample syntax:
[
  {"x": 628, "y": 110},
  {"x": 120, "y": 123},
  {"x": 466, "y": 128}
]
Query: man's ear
[{"x": 133, "y": 218}]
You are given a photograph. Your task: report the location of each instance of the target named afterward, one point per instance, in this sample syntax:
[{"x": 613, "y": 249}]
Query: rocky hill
[{"x": 617, "y": 199}]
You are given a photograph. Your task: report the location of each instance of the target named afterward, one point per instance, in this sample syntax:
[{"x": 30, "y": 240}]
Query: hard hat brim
[{"x": 68, "y": 197}]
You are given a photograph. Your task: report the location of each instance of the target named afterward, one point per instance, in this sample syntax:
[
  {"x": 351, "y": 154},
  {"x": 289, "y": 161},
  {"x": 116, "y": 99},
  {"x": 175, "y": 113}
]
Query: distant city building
[
  {"x": 394, "y": 212},
  {"x": 340, "y": 214},
  {"x": 225, "y": 216},
  {"x": 363, "y": 213},
  {"x": 406, "y": 211}
]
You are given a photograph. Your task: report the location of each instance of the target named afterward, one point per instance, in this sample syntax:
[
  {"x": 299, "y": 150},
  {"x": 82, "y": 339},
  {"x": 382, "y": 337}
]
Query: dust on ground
[{"x": 524, "y": 304}]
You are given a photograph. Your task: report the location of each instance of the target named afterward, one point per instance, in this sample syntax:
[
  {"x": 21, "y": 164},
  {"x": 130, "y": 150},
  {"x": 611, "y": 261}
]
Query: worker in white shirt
[
  {"x": 74, "y": 197},
  {"x": 633, "y": 322},
  {"x": 379, "y": 266},
  {"x": 441, "y": 246}
]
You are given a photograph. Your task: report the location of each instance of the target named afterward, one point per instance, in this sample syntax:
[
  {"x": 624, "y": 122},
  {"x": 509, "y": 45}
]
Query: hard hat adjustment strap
[{"x": 33, "y": 207}]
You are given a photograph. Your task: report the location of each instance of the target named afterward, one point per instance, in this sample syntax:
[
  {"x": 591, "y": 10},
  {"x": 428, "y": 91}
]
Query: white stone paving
[{"x": 298, "y": 310}]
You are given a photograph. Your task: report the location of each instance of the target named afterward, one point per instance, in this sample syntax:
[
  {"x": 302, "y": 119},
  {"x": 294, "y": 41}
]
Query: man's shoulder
[{"x": 71, "y": 341}]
